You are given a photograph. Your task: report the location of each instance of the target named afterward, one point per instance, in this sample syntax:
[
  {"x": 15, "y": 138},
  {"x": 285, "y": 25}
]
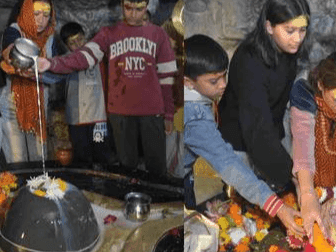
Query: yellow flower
[
  {"x": 260, "y": 235},
  {"x": 225, "y": 238},
  {"x": 267, "y": 225},
  {"x": 62, "y": 184},
  {"x": 245, "y": 240},
  {"x": 223, "y": 223},
  {"x": 40, "y": 193},
  {"x": 249, "y": 215}
]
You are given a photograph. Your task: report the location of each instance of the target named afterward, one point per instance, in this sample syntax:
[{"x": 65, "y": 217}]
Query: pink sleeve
[{"x": 303, "y": 126}]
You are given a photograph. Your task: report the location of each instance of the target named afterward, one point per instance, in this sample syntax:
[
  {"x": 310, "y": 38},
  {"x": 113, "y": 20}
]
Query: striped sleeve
[
  {"x": 272, "y": 205},
  {"x": 81, "y": 59},
  {"x": 166, "y": 60},
  {"x": 166, "y": 70}
]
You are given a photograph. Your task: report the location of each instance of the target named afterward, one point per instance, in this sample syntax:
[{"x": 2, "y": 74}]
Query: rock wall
[
  {"x": 92, "y": 14},
  {"x": 228, "y": 21}
]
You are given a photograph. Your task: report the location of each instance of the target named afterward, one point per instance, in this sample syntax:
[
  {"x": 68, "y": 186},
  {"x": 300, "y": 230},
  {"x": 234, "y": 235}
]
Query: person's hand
[
  {"x": 169, "y": 126},
  {"x": 27, "y": 73},
  {"x": 287, "y": 216},
  {"x": 42, "y": 64},
  {"x": 311, "y": 213},
  {"x": 6, "y": 52}
]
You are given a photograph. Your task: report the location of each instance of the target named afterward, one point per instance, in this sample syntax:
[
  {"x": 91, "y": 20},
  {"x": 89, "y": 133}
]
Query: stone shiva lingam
[{"x": 49, "y": 214}]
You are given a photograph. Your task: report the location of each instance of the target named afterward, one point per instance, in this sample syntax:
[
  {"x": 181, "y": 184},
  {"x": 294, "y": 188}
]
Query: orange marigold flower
[
  {"x": 238, "y": 219},
  {"x": 273, "y": 248},
  {"x": 222, "y": 248},
  {"x": 290, "y": 199},
  {"x": 234, "y": 209},
  {"x": 260, "y": 223},
  {"x": 242, "y": 247},
  {"x": 2, "y": 197},
  {"x": 298, "y": 220},
  {"x": 6, "y": 178},
  {"x": 318, "y": 191}
]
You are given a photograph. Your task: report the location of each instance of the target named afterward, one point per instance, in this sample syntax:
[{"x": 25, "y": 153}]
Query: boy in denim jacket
[{"x": 204, "y": 81}]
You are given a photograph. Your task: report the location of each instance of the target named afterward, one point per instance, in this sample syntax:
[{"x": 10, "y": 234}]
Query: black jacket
[{"x": 252, "y": 110}]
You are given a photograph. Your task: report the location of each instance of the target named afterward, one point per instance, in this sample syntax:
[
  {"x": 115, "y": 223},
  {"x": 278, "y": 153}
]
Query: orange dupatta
[{"x": 24, "y": 89}]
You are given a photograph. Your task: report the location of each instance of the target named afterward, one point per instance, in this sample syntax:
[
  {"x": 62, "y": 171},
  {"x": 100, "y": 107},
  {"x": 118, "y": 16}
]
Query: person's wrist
[
  {"x": 307, "y": 190},
  {"x": 279, "y": 211},
  {"x": 309, "y": 193},
  {"x": 273, "y": 205}
]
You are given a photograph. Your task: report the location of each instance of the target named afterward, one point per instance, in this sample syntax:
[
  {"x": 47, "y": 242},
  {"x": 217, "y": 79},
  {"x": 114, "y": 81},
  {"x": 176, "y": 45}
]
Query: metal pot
[
  {"x": 137, "y": 206},
  {"x": 23, "y": 52}
]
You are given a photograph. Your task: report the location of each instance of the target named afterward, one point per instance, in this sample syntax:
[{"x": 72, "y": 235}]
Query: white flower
[
  {"x": 264, "y": 231},
  {"x": 36, "y": 182},
  {"x": 47, "y": 184},
  {"x": 54, "y": 193},
  {"x": 324, "y": 195},
  {"x": 236, "y": 234},
  {"x": 334, "y": 191},
  {"x": 251, "y": 226}
]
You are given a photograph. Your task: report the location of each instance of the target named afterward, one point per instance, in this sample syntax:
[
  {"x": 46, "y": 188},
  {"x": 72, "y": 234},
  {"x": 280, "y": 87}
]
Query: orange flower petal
[
  {"x": 298, "y": 220},
  {"x": 273, "y": 248}
]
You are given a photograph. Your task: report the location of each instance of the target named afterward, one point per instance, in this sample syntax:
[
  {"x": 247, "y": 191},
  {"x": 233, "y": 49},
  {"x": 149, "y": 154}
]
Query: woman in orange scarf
[
  {"x": 22, "y": 135},
  {"x": 313, "y": 124}
]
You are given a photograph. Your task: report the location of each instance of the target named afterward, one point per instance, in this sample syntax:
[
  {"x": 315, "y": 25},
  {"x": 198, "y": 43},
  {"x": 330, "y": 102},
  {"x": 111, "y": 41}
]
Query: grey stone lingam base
[{"x": 36, "y": 223}]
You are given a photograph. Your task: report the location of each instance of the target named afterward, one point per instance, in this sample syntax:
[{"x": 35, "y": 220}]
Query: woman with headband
[
  {"x": 261, "y": 75},
  {"x": 35, "y": 21}
]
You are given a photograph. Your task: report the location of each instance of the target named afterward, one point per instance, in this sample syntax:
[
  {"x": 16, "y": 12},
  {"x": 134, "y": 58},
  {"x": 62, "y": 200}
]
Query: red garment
[
  {"x": 325, "y": 145},
  {"x": 141, "y": 68}
]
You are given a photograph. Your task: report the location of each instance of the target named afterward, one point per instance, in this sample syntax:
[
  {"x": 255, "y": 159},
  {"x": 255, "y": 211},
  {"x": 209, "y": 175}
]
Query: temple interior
[{"x": 105, "y": 186}]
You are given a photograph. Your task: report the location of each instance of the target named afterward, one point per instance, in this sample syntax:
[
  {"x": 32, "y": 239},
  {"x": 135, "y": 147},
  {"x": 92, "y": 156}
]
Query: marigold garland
[
  {"x": 8, "y": 182},
  {"x": 237, "y": 229}
]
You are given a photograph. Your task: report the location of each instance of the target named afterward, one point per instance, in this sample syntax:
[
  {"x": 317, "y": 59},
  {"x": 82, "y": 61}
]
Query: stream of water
[{"x": 40, "y": 112}]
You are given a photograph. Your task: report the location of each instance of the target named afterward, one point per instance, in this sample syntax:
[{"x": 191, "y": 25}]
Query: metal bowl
[
  {"x": 23, "y": 52},
  {"x": 137, "y": 206}
]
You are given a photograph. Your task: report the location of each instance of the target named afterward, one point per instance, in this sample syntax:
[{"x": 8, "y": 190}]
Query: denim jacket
[
  {"x": 302, "y": 96},
  {"x": 202, "y": 138}
]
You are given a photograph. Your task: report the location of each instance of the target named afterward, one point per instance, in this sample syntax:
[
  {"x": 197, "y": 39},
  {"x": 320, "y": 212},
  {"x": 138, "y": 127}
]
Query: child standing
[
  {"x": 141, "y": 70},
  {"x": 204, "y": 81},
  {"x": 85, "y": 106}
]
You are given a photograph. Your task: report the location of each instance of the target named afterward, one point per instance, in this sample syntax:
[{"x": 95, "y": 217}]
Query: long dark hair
[{"x": 276, "y": 12}]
